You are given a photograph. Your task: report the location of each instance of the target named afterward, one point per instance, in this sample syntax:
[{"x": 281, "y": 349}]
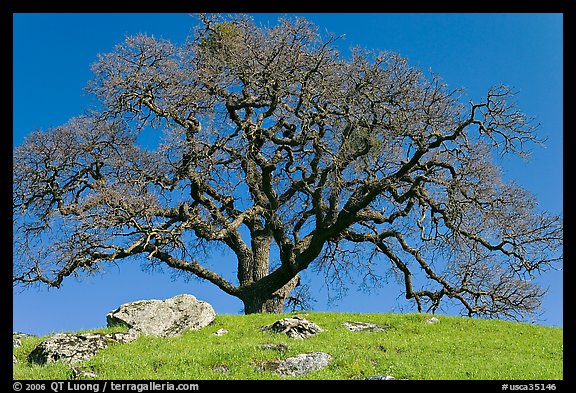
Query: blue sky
[{"x": 52, "y": 58}]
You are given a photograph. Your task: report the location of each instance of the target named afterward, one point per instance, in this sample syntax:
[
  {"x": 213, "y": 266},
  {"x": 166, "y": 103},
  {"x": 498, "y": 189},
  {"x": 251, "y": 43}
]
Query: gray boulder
[
  {"x": 294, "y": 327},
  {"x": 432, "y": 320},
  {"x": 303, "y": 364},
  {"x": 166, "y": 318},
  {"x": 74, "y": 348}
]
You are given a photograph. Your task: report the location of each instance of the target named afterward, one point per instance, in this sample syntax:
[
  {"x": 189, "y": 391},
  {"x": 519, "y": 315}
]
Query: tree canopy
[{"x": 270, "y": 141}]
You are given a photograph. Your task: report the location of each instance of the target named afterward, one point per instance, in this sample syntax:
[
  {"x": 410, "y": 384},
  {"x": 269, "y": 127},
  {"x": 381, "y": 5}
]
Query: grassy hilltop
[{"x": 454, "y": 348}]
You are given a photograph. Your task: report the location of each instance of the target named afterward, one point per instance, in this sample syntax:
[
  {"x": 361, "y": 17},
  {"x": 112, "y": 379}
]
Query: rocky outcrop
[
  {"x": 294, "y": 327},
  {"x": 432, "y": 320},
  {"x": 166, "y": 318},
  {"x": 75, "y": 348},
  {"x": 364, "y": 326},
  {"x": 169, "y": 317},
  {"x": 303, "y": 364}
]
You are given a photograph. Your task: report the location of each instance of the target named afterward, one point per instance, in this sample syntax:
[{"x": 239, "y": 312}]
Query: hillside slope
[{"x": 409, "y": 348}]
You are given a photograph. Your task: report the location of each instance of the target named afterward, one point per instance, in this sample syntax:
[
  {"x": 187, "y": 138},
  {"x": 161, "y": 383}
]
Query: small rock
[
  {"x": 269, "y": 365},
  {"x": 78, "y": 373},
  {"x": 16, "y": 343},
  {"x": 303, "y": 363},
  {"x": 20, "y": 335},
  {"x": 380, "y": 378},
  {"x": 364, "y": 326},
  {"x": 432, "y": 320},
  {"x": 221, "y": 368},
  {"x": 14, "y": 360},
  {"x": 295, "y": 327},
  {"x": 275, "y": 347},
  {"x": 220, "y": 332}
]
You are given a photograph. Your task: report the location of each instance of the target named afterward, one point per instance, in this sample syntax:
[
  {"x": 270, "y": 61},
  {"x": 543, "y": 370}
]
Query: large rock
[
  {"x": 303, "y": 364},
  {"x": 295, "y": 327},
  {"x": 166, "y": 318},
  {"x": 74, "y": 348}
]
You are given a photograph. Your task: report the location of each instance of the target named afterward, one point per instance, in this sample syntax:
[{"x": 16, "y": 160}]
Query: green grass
[{"x": 454, "y": 348}]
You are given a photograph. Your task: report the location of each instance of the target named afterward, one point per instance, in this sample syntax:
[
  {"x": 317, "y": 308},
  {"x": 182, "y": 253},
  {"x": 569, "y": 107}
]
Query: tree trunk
[
  {"x": 256, "y": 304},
  {"x": 260, "y": 266},
  {"x": 257, "y": 266},
  {"x": 273, "y": 303}
]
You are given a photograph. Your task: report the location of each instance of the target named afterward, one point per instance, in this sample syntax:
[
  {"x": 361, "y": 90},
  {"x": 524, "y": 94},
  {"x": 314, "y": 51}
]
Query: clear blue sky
[{"x": 52, "y": 58}]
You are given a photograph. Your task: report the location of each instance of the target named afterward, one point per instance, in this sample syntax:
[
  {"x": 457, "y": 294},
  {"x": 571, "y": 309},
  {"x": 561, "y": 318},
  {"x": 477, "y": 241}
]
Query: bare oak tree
[{"x": 273, "y": 143}]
